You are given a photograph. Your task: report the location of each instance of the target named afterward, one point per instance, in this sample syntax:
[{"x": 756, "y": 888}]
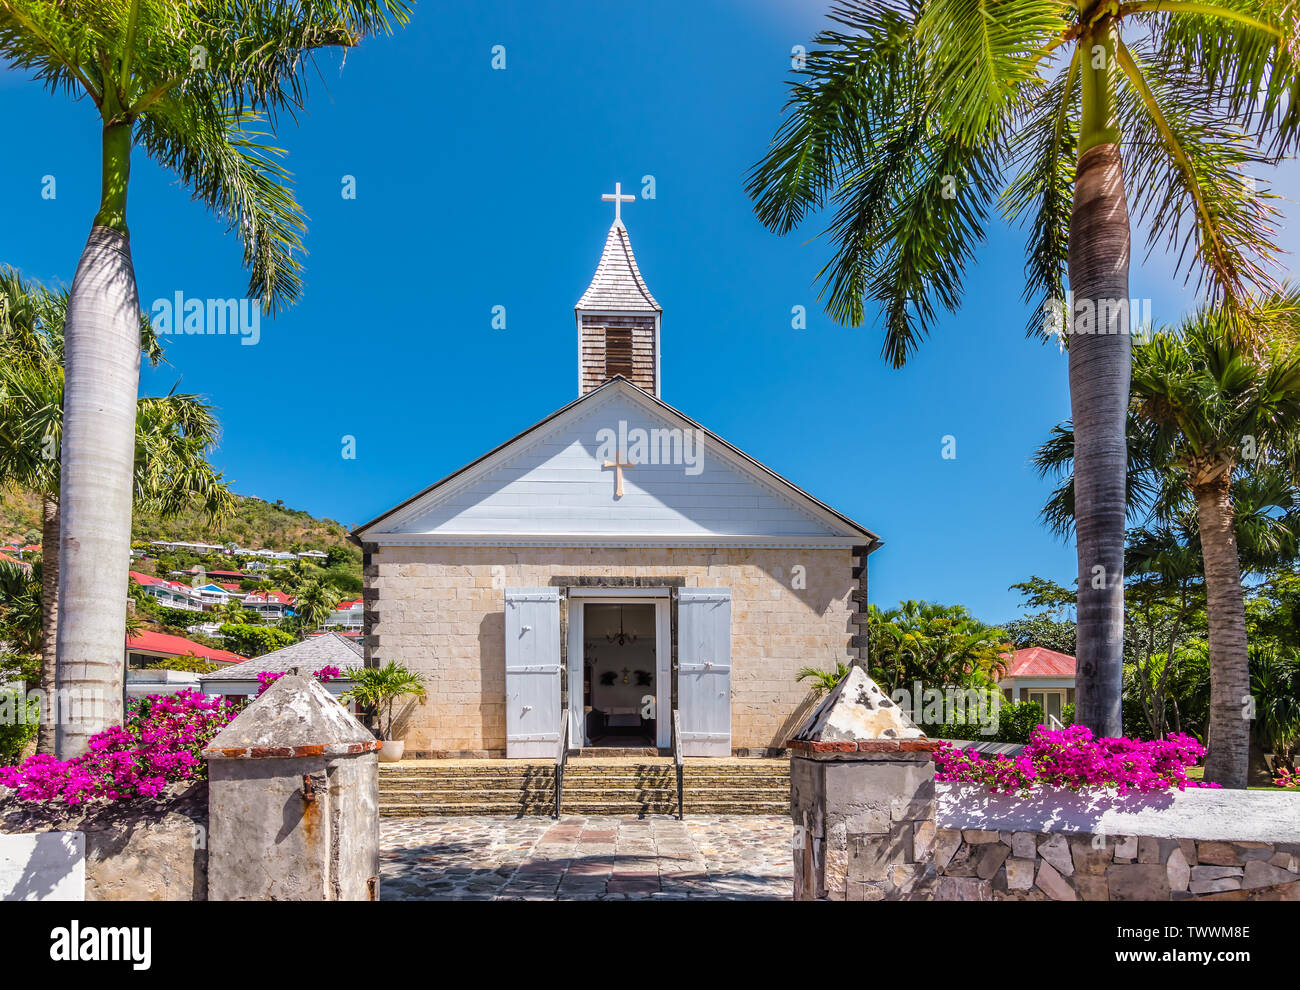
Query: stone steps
[
  {"x": 580, "y": 793},
  {"x": 495, "y": 787},
  {"x": 471, "y": 782},
  {"x": 621, "y": 807}
]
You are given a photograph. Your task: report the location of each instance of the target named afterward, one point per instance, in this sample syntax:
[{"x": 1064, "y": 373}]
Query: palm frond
[
  {"x": 240, "y": 179},
  {"x": 1192, "y": 182},
  {"x": 1044, "y": 152},
  {"x": 1241, "y": 55}
]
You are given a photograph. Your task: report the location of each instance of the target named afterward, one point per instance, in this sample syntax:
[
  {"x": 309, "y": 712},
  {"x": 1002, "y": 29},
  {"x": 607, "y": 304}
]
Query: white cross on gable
[{"x": 618, "y": 198}]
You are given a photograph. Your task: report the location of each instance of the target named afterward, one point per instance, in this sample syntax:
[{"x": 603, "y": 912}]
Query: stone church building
[{"x": 612, "y": 563}]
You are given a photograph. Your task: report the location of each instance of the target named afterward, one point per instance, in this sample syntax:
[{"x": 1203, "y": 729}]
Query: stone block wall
[
  {"x": 995, "y": 865},
  {"x": 134, "y": 851},
  {"x": 441, "y": 611},
  {"x": 864, "y": 822}
]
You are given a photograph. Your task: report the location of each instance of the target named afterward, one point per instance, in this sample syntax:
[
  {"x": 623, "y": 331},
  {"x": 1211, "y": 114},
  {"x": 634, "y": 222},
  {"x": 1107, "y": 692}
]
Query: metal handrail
[
  {"x": 677, "y": 761},
  {"x": 561, "y": 760}
]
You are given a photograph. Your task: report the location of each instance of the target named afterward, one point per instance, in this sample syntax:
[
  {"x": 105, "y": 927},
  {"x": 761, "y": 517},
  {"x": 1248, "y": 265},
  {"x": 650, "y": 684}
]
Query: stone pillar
[
  {"x": 293, "y": 809},
  {"x": 862, "y": 799}
]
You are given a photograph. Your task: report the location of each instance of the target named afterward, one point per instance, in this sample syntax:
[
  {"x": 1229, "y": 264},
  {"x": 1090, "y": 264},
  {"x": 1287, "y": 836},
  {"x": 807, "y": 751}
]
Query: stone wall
[
  {"x": 1198, "y": 844},
  {"x": 987, "y": 865},
  {"x": 134, "y": 851},
  {"x": 440, "y": 611}
]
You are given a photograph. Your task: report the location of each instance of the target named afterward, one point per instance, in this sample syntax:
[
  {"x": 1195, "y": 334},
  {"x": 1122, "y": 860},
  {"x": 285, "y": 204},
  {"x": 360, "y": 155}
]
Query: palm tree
[
  {"x": 189, "y": 84},
  {"x": 1214, "y": 430},
  {"x": 1210, "y": 403},
  {"x": 20, "y": 606},
  {"x": 823, "y": 681},
  {"x": 314, "y": 601},
  {"x": 938, "y": 645},
  {"x": 911, "y": 120},
  {"x": 174, "y": 434},
  {"x": 379, "y": 687},
  {"x": 232, "y": 610}
]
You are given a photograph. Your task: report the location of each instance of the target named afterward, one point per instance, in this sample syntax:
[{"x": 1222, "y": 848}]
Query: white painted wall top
[
  {"x": 1196, "y": 813},
  {"x": 551, "y": 484}
]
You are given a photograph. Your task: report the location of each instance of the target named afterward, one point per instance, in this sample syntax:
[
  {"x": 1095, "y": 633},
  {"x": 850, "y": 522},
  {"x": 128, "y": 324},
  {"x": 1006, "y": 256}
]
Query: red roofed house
[
  {"x": 271, "y": 605},
  {"x": 149, "y": 647},
  {"x": 172, "y": 594},
  {"x": 347, "y": 615},
  {"x": 20, "y": 564},
  {"x": 1042, "y": 675}
]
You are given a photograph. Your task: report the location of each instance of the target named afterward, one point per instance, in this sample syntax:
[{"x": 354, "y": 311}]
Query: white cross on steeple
[{"x": 618, "y": 199}]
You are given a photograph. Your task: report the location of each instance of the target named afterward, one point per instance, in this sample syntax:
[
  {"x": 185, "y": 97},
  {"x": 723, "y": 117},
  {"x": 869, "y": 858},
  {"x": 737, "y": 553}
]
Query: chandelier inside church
[{"x": 621, "y": 638}]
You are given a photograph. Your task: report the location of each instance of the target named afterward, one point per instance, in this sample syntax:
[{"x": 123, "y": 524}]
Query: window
[
  {"x": 618, "y": 352},
  {"x": 1051, "y": 701}
]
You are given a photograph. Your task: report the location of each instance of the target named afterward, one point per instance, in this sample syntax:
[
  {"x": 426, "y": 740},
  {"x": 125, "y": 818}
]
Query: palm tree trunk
[
  {"x": 1228, "y": 760},
  {"x": 1100, "y": 363},
  {"x": 102, "y": 366},
  {"x": 45, "y": 739}
]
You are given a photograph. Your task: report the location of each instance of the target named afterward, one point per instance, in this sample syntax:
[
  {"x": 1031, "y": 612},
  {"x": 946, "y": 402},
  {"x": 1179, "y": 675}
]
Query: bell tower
[{"x": 618, "y": 320}]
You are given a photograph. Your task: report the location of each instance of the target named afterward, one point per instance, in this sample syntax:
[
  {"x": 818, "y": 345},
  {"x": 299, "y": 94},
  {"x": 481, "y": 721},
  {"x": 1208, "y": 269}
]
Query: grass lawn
[{"x": 1196, "y": 773}]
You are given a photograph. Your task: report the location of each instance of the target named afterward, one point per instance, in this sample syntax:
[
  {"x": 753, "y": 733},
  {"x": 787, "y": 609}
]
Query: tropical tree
[
  {"x": 20, "y": 607},
  {"x": 233, "y": 611},
  {"x": 823, "y": 681},
  {"x": 378, "y": 688},
  {"x": 911, "y": 119},
  {"x": 1052, "y": 624},
  {"x": 314, "y": 602},
  {"x": 1211, "y": 404},
  {"x": 190, "y": 84},
  {"x": 173, "y": 436},
  {"x": 938, "y": 645},
  {"x": 1164, "y": 599},
  {"x": 1275, "y": 686},
  {"x": 1215, "y": 424}
]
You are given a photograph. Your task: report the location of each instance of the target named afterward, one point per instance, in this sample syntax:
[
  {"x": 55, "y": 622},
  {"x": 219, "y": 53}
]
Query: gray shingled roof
[
  {"x": 617, "y": 285},
  {"x": 314, "y": 652}
]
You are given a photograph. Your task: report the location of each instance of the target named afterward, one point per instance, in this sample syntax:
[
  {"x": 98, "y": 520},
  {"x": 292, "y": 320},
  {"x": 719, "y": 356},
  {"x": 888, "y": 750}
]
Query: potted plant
[{"x": 378, "y": 688}]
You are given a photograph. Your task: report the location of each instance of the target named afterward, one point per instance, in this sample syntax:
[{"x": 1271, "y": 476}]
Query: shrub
[
  {"x": 253, "y": 641},
  {"x": 18, "y": 723},
  {"x": 1016, "y": 721},
  {"x": 159, "y": 744},
  {"x": 1071, "y": 758}
]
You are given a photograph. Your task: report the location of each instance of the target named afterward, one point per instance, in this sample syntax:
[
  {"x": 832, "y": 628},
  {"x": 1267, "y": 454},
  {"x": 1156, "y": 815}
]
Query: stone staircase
[{"x": 591, "y": 787}]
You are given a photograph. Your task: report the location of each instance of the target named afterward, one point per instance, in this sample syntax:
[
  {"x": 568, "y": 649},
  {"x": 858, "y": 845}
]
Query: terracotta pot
[{"x": 392, "y": 750}]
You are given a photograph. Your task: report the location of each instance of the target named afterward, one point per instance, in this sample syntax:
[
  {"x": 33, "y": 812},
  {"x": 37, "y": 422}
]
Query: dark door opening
[{"x": 619, "y": 674}]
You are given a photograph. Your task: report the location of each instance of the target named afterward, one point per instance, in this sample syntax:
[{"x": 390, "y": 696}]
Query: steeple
[{"x": 618, "y": 319}]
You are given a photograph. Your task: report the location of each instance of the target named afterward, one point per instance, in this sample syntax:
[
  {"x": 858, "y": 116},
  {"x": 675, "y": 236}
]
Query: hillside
[{"x": 254, "y": 523}]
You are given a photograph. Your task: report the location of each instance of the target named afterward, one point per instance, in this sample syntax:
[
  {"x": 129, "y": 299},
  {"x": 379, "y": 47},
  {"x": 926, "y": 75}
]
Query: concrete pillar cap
[
  {"x": 857, "y": 716},
  {"x": 294, "y": 717}
]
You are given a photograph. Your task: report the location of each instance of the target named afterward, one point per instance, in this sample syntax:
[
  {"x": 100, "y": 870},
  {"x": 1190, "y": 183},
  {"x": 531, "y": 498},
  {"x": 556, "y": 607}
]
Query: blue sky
[{"x": 478, "y": 188}]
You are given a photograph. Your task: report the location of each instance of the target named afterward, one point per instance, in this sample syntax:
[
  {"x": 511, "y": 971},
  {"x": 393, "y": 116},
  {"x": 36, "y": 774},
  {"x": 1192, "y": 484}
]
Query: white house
[
  {"x": 347, "y": 615},
  {"x": 272, "y": 605},
  {"x": 173, "y": 594},
  {"x": 1042, "y": 675}
]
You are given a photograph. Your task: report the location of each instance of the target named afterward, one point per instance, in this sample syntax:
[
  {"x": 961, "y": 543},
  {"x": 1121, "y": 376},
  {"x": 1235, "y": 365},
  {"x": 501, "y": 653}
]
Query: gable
[{"x": 550, "y": 485}]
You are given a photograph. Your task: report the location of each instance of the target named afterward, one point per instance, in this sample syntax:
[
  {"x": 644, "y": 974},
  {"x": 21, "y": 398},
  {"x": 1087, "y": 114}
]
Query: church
[{"x": 613, "y": 565}]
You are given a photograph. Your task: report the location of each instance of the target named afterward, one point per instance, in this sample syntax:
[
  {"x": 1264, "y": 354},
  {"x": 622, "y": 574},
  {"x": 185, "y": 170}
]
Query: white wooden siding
[{"x": 556, "y": 485}]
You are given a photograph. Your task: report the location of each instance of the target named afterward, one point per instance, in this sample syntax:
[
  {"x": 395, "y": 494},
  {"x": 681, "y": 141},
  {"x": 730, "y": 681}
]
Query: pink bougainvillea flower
[{"x": 1071, "y": 758}]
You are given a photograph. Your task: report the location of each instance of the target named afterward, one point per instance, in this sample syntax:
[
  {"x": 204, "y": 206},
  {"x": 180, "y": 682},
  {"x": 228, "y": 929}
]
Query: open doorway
[{"x": 619, "y": 678}]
